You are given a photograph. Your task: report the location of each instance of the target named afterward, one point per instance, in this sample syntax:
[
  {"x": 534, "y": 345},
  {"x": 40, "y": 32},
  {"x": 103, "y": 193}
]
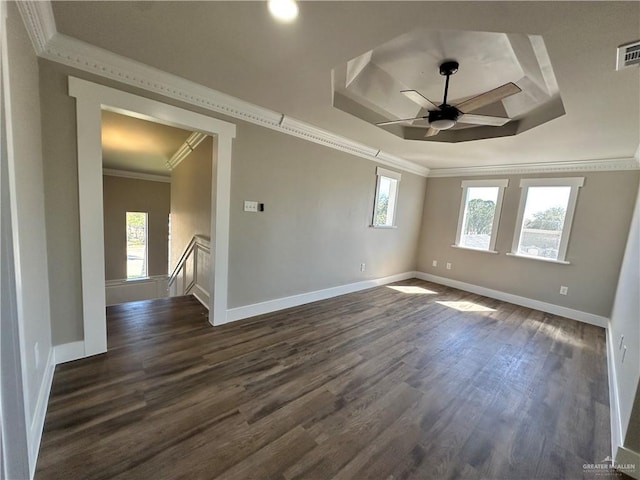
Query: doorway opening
[{"x": 91, "y": 100}]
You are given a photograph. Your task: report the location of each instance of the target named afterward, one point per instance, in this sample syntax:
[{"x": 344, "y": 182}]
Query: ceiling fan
[{"x": 445, "y": 116}]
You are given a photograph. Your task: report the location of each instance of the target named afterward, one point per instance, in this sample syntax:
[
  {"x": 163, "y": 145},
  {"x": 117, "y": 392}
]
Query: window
[
  {"x": 545, "y": 216},
  {"x": 137, "y": 245},
  {"x": 384, "y": 208},
  {"x": 479, "y": 214}
]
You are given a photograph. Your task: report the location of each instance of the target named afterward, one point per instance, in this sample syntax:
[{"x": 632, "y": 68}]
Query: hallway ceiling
[
  {"x": 238, "y": 49},
  {"x": 137, "y": 145}
]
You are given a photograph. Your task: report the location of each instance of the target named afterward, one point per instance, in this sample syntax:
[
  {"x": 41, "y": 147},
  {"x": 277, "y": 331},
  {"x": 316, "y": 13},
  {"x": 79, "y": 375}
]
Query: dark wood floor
[{"x": 422, "y": 382}]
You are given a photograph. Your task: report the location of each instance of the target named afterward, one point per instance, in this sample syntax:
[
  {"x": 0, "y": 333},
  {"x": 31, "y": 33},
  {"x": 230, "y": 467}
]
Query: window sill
[
  {"x": 383, "y": 226},
  {"x": 475, "y": 249},
  {"x": 539, "y": 259}
]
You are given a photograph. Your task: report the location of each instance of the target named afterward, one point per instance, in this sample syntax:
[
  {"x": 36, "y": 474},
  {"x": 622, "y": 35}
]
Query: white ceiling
[
  {"x": 137, "y": 145},
  {"x": 370, "y": 86},
  {"x": 238, "y": 49}
]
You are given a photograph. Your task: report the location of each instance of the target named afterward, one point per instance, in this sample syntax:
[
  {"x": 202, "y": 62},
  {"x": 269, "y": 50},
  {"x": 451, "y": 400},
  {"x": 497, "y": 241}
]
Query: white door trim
[{"x": 91, "y": 98}]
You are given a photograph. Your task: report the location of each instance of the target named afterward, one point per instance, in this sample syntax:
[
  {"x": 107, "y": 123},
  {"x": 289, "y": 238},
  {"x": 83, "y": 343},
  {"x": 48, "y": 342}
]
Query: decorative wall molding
[
  {"x": 89, "y": 58},
  {"x": 111, "y": 172},
  {"x": 185, "y": 149},
  {"x": 39, "y": 21},
  {"x": 603, "y": 165},
  {"x": 581, "y": 316},
  {"x": 246, "y": 311},
  {"x": 133, "y": 290},
  {"x": 192, "y": 273},
  {"x": 308, "y": 132}
]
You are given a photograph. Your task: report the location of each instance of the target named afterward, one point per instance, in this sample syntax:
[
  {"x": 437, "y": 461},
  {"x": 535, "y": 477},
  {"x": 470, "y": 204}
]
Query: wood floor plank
[{"x": 408, "y": 381}]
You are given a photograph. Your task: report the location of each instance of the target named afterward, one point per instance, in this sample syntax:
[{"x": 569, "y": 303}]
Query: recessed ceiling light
[{"x": 283, "y": 10}]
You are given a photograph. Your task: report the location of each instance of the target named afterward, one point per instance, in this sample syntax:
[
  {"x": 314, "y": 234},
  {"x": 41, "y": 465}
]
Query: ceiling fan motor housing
[
  {"x": 444, "y": 118},
  {"x": 449, "y": 67}
]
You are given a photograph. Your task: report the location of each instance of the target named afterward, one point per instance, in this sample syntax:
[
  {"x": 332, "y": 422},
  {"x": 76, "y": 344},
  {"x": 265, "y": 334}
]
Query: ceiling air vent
[{"x": 628, "y": 55}]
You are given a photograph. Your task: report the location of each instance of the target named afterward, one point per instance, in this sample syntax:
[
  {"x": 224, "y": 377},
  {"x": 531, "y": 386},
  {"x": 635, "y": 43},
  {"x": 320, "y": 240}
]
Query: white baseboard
[
  {"x": 68, "y": 352},
  {"x": 628, "y": 462},
  {"x": 585, "y": 317},
  {"x": 239, "y": 313},
  {"x": 614, "y": 399},
  {"x": 37, "y": 422}
]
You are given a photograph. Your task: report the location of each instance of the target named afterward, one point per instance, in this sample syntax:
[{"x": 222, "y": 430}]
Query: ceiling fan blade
[
  {"x": 420, "y": 99},
  {"x": 482, "y": 120},
  {"x": 431, "y": 132},
  {"x": 393, "y": 122},
  {"x": 489, "y": 97}
]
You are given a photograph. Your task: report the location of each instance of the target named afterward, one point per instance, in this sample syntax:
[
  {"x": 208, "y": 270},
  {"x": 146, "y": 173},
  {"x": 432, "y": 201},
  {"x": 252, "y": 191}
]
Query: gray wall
[
  {"x": 29, "y": 226},
  {"x": 596, "y": 246},
  {"x": 314, "y": 232},
  {"x": 61, "y": 205},
  {"x": 122, "y": 195},
  {"x": 191, "y": 199},
  {"x": 300, "y": 243}
]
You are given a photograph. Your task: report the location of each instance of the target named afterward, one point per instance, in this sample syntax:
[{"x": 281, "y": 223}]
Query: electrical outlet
[
  {"x": 434, "y": 263},
  {"x": 448, "y": 266},
  {"x": 250, "y": 206},
  {"x": 36, "y": 353},
  {"x": 363, "y": 267},
  {"x": 564, "y": 290}
]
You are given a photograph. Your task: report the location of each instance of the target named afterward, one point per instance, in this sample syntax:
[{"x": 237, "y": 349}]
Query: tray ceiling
[{"x": 237, "y": 48}]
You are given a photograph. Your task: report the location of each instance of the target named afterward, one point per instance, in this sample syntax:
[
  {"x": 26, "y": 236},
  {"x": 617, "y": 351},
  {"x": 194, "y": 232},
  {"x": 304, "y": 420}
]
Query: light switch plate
[{"x": 250, "y": 206}]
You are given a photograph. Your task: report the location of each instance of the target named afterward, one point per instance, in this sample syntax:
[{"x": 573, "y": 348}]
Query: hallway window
[{"x": 137, "y": 244}]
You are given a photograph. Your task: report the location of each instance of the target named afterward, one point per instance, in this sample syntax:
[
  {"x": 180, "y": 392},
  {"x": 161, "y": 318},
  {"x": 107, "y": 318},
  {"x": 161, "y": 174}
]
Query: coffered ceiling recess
[{"x": 370, "y": 85}]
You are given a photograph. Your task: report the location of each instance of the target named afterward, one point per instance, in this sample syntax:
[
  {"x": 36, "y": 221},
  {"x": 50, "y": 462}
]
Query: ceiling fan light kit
[{"x": 443, "y": 124}]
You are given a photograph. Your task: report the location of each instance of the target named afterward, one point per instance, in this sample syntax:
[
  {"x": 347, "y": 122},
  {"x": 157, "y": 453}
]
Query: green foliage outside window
[
  {"x": 383, "y": 207},
  {"x": 479, "y": 217},
  {"x": 549, "y": 219}
]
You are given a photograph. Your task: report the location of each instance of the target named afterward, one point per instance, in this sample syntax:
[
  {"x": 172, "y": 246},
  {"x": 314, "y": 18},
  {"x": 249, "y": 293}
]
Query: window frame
[
  {"x": 501, "y": 184},
  {"x": 380, "y": 173},
  {"x": 575, "y": 183}
]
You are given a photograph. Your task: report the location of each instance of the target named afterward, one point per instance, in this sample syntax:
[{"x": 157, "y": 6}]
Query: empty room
[{"x": 320, "y": 240}]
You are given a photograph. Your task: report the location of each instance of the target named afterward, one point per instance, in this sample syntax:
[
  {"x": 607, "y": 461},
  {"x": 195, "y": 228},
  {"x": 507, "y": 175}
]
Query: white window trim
[
  {"x": 501, "y": 184},
  {"x": 481, "y": 250},
  {"x": 383, "y": 172},
  {"x": 575, "y": 183}
]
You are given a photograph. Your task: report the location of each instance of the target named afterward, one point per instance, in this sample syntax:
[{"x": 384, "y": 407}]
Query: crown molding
[
  {"x": 111, "y": 172},
  {"x": 185, "y": 149},
  {"x": 89, "y": 58},
  {"x": 40, "y": 23},
  {"x": 603, "y": 165}
]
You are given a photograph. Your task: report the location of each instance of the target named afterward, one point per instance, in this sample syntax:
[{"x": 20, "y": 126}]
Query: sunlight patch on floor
[
  {"x": 412, "y": 289},
  {"x": 467, "y": 306}
]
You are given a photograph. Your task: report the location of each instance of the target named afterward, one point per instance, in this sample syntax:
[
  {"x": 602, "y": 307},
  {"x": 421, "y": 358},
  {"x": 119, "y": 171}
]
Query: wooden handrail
[{"x": 199, "y": 240}]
